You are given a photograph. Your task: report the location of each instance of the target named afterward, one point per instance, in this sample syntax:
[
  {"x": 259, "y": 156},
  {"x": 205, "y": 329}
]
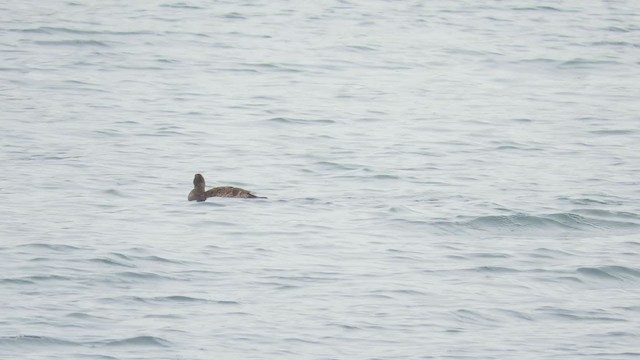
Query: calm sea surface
[{"x": 447, "y": 179}]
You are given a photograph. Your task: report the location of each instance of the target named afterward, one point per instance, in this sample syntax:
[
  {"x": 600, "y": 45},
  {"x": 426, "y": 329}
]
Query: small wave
[
  {"x": 620, "y": 273},
  {"x": 180, "y": 298},
  {"x": 81, "y": 315},
  {"x": 301, "y": 340},
  {"x": 227, "y": 302},
  {"x": 494, "y": 269},
  {"x": 155, "y": 258},
  {"x": 607, "y": 214},
  {"x": 618, "y": 334},
  {"x": 550, "y": 253},
  {"x": 615, "y": 43},
  {"x": 618, "y": 29},
  {"x": 590, "y": 201},
  {"x": 72, "y": 43},
  {"x": 39, "y": 278},
  {"x": 120, "y": 256},
  {"x": 271, "y": 67},
  {"x": 163, "y": 316},
  {"x": 515, "y": 314},
  {"x": 16, "y": 281},
  {"x": 181, "y": 5},
  {"x": 522, "y": 120},
  {"x": 60, "y": 30},
  {"x": 507, "y": 147},
  {"x": 577, "y": 222},
  {"x": 539, "y": 8},
  {"x": 33, "y": 340},
  {"x": 338, "y": 166},
  {"x": 469, "y": 316},
  {"x": 120, "y": 299},
  {"x": 161, "y": 133},
  {"x": 13, "y": 69},
  {"x": 490, "y": 255},
  {"x": 109, "y": 132},
  {"x": 385, "y": 177},
  {"x": 111, "y": 262},
  {"x": 142, "y": 276},
  {"x": 615, "y": 221},
  {"x": 409, "y": 292},
  {"x": 613, "y": 132},
  {"x": 96, "y": 356},
  {"x": 537, "y": 61},
  {"x": 512, "y": 146},
  {"x": 167, "y": 61},
  {"x": 281, "y": 120},
  {"x": 344, "y": 326},
  {"x": 580, "y": 315},
  {"x": 234, "y": 15},
  {"x": 583, "y": 63},
  {"x": 359, "y": 48},
  {"x": 168, "y": 299},
  {"x": 115, "y": 192},
  {"x": 567, "y": 279},
  {"x": 54, "y": 247},
  {"x": 514, "y": 222},
  {"x": 149, "y": 341}
]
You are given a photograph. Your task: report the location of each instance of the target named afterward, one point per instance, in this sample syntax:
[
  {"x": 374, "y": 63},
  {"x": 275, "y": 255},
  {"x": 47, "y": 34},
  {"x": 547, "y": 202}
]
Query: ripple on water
[
  {"x": 580, "y": 315},
  {"x": 45, "y": 278},
  {"x": 168, "y": 300},
  {"x": 13, "y": 281},
  {"x": 577, "y": 223},
  {"x": 494, "y": 269},
  {"x": 181, "y": 5},
  {"x": 62, "y": 30},
  {"x": 158, "y": 259},
  {"x": 110, "y": 262},
  {"x": 292, "y": 121},
  {"x": 139, "y": 341},
  {"x": 618, "y": 273},
  {"x": 72, "y": 43},
  {"x": 29, "y": 341},
  {"x": 54, "y": 247},
  {"x": 189, "y": 299},
  {"x": 141, "y": 276}
]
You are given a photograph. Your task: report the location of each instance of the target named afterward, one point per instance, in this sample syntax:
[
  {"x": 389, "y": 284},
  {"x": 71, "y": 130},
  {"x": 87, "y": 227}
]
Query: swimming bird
[{"x": 198, "y": 193}]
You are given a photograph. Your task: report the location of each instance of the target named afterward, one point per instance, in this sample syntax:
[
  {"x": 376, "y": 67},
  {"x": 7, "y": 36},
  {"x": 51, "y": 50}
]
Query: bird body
[
  {"x": 200, "y": 194},
  {"x": 229, "y": 191}
]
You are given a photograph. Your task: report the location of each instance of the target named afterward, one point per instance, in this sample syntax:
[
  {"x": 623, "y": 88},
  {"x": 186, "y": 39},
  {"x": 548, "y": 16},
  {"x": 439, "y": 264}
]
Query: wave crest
[{"x": 579, "y": 222}]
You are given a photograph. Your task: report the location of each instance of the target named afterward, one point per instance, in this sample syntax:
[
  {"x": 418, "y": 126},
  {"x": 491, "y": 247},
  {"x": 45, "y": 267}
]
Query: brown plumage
[{"x": 198, "y": 193}]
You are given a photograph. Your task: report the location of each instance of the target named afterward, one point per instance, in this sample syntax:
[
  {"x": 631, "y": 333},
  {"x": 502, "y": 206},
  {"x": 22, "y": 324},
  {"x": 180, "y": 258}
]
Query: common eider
[{"x": 198, "y": 193}]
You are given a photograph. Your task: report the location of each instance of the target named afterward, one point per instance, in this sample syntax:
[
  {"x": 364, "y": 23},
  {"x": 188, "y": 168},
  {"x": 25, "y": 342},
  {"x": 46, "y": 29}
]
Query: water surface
[{"x": 450, "y": 180}]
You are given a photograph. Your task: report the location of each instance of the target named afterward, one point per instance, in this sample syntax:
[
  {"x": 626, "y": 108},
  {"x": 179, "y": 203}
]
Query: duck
[{"x": 200, "y": 194}]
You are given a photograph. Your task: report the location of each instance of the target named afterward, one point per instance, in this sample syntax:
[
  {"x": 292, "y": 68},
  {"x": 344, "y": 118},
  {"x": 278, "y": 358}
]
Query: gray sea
[{"x": 444, "y": 179}]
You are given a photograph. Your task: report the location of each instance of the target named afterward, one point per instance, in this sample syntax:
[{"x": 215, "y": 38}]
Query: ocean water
[{"x": 444, "y": 180}]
